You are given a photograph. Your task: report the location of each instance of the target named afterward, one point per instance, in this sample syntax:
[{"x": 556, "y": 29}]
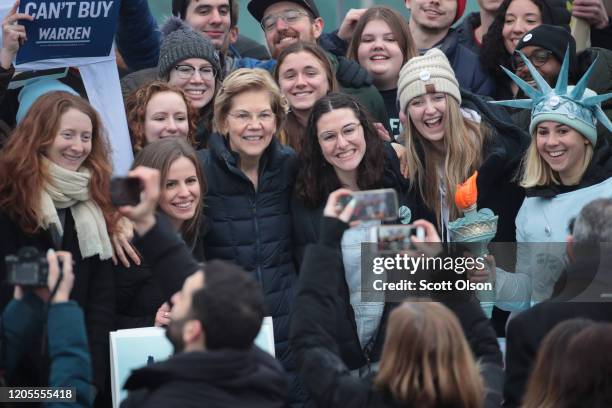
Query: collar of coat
[
  {"x": 272, "y": 158},
  {"x": 599, "y": 170}
]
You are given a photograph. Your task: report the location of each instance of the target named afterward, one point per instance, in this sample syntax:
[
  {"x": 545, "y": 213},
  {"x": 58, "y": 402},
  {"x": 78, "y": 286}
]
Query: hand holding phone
[
  {"x": 396, "y": 237},
  {"x": 125, "y": 191},
  {"x": 143, "y": 213}
]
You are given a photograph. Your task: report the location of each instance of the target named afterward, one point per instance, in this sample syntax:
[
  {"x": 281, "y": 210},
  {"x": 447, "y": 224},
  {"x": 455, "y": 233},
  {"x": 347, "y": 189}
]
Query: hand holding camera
[
  {"x": 50, "y": 277},
  {"x": 60, "y": 273}
]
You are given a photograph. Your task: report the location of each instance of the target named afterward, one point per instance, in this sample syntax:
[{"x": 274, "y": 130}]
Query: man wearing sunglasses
[{"x": 545, "y": 47}]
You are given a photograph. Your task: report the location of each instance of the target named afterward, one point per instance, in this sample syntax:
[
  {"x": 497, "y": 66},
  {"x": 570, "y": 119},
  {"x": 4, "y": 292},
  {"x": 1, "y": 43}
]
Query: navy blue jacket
[
  {"x": 252, "y": 227},
  {"x": 466, "y": 64},
  {"x": 465, "y": 31}
]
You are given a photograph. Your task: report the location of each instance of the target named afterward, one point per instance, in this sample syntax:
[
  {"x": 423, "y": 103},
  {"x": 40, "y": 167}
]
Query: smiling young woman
[
  {"x": 188, "y": 60},
  {"x": 139, "y": 294},
  {"x": 158, "y": 111},
  {"x": 514, "y": 18},
  {"x": 449, "y": 135},
  {"x": 54, "y": 180},
  {"x": 342, "y": 149},
  {"x": 304, "y": 75},
  {"x": 382, "y": 44},
  {"x": 565, "y": 167}
]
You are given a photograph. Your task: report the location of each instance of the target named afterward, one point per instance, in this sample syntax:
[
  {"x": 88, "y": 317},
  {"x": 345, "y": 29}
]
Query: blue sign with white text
[{"x": 68, "y": 29}]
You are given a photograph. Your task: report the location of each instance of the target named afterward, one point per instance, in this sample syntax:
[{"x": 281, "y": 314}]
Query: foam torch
[{"x": 475, "y": 230}]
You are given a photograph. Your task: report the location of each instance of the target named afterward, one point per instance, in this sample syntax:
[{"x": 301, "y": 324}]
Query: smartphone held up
[
  {"x": 395, "y": 237},
  {"x": 372, "y": 204},
  {"x": 125, "y": 191}
]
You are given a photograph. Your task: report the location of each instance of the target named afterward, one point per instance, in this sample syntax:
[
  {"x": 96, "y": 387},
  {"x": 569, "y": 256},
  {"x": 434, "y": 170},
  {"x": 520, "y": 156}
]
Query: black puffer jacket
[
  {"x": 503, "y": 152},
  {"x": 252, "y": 227},
  {"x": 215, "y": 379}
]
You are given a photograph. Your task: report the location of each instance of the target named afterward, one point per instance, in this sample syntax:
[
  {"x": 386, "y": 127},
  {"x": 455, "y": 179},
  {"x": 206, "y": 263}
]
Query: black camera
[{"x": 28, "y": 268}]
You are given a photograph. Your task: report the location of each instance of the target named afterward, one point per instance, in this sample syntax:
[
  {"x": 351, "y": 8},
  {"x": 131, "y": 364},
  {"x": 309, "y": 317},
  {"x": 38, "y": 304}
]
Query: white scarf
[{"x": 70, "y": 189}]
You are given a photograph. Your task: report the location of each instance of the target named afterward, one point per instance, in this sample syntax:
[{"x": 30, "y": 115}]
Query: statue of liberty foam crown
[{"x": 576, "y": 106}]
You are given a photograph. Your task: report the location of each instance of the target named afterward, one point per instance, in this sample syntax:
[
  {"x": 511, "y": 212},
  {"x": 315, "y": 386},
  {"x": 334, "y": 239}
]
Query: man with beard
[
  {"x": 287, "y": 22},
  {"x": 545, "y": 47},
  {"x": 214, "y": 320}
]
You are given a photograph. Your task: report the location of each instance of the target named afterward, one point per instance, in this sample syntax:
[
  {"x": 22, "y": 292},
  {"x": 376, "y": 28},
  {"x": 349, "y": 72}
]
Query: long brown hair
[
  {"x": 463, "y": 142},
  {"x": 22, "y": 174},
  {"x": 316, "y": 177},
  {"x": 293, "y": 131},
  {"x": 426, "y": 361},
  {"x": 397, "y": 24},
  {"x": 545, "y": 379},
  {"x": 161, "y": 155},
  {"x": 136, "y": 111}
]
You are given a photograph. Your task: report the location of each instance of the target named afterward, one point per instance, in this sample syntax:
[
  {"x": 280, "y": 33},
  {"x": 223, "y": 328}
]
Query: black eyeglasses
[{"x": 537, "y": 58}]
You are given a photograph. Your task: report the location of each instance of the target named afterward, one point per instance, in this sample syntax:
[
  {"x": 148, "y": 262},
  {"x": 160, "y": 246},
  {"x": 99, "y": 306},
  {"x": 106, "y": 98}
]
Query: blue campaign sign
[{"x": 68, "y": 29}]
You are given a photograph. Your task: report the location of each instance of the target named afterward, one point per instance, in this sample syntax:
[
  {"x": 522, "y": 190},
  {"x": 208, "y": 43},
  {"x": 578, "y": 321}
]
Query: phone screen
[
  {"x": 125, "y": 191},
  {"x": 373, "y": 204}
]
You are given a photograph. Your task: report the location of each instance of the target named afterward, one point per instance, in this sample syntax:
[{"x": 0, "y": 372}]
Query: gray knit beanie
[
  {"x": 428, "y": 73},
  {"x": 181, "y": 42}
]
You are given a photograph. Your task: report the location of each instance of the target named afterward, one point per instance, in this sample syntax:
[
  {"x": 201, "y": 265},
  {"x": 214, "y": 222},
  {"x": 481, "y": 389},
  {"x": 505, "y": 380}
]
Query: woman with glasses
[
  {"x": 342, "y": 149},
  {"x": 157, "y": 111},
  {"x": 304, "y": 75},
  {"x": 545, "y": 47},
  {"x": 250, "y": 180},
  {"x": 515, "y": 18},
  {"x": 189, "y": 61}
]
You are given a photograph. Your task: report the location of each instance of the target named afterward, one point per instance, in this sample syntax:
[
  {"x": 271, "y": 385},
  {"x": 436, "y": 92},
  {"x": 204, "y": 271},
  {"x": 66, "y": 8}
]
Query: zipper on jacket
[{"x": 257, "y": 240}]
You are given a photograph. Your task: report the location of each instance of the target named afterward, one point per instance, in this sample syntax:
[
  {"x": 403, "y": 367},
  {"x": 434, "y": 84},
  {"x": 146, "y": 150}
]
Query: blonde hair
[
  {"x": 536, "y": 172},
  {"x": 426, "y": 361},
  {"x": 248, "y": 80},
  {"x": 463, "y": 142}
]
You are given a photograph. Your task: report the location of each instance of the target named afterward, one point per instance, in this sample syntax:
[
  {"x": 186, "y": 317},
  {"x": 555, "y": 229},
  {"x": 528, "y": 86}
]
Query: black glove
[{"x": 352, "y": 75}]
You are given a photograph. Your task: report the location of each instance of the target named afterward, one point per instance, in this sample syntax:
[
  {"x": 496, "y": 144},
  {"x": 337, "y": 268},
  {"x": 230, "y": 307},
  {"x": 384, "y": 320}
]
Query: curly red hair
[
  {"x": 22, "y": 175},
  {"x": 136, "y": 112}
]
